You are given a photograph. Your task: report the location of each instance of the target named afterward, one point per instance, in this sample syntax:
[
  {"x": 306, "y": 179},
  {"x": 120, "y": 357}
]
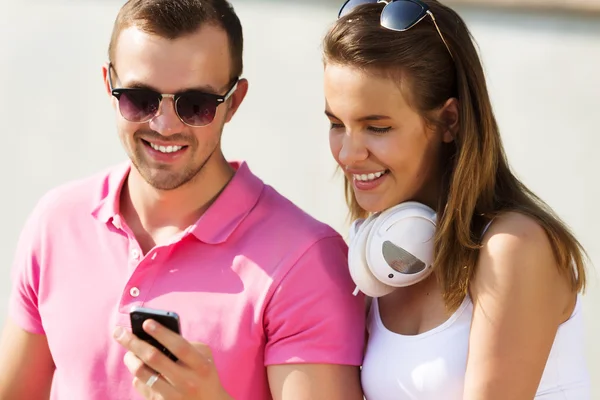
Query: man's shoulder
[
  {"x": 292, "y": 244},
  {"x": 283, "y": 216},
  {"x": 76, "y": 195}
]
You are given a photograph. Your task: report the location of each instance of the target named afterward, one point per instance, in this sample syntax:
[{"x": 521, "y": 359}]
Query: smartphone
[{"x": 168, "y": 319}]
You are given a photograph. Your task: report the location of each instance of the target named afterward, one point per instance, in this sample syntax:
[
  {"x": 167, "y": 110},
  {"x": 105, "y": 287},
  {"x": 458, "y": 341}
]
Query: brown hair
[
  {"x": 172, "y": 19},
  {"x": 477, "y": 183}
]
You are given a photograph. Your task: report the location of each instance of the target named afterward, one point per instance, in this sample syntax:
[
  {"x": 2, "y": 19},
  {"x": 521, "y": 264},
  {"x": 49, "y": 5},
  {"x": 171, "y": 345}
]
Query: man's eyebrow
[
  {"x": 141, "y": 85},
  {"x": 205, "y": 89}
]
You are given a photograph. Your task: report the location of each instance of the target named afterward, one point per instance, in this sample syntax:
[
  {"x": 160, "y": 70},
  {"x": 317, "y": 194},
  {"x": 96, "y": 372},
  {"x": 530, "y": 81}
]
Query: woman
[{"x": 411, "y": 123}]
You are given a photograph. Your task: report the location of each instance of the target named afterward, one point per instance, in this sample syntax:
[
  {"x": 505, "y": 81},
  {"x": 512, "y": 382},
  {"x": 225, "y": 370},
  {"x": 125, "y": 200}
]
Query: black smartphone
[{"x": 168, "y": 319}]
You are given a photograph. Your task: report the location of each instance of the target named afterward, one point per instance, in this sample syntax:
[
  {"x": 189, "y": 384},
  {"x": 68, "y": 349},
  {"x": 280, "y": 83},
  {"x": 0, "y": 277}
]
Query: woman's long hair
[{"x": 477, "y": 183}]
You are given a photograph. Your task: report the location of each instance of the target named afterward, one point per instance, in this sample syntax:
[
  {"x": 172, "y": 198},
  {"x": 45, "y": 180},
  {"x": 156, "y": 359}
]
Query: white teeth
[
  {"x": 368, "y": 177},
  {"x": 166, "y": 149}
]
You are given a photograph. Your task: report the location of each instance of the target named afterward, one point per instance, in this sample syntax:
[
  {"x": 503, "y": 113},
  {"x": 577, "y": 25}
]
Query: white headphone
[{"x": 391, "y": 249}]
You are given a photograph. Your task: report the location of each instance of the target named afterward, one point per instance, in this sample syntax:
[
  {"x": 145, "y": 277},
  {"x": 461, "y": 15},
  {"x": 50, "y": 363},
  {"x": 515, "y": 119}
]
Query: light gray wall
[{"x": 57, "y": 123}]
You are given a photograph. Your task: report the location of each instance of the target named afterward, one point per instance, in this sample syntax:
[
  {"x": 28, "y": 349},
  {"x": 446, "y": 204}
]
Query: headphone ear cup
[
  {"x": 400, "y": 246},
  {"x": 360, "y": 272}
]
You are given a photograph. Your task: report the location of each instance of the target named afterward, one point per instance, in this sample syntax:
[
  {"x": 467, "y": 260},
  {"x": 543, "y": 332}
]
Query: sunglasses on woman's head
[
  {"x": 397, "y": 15},
  {"x": 193, "y": 107}
]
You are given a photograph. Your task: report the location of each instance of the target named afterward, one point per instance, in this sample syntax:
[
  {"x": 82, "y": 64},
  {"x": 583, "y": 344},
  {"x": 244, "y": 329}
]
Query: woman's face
[{"x": 384, "y": 146}]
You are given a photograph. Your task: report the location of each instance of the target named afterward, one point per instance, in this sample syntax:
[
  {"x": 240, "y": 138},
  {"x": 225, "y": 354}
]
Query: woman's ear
[{"x": 451, "y": 120}]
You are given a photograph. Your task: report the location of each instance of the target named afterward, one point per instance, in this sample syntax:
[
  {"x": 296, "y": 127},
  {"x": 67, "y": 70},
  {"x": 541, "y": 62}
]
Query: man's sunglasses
[
  {"x": 193, "y": 107},
  {"x": 398, "y": 15}
]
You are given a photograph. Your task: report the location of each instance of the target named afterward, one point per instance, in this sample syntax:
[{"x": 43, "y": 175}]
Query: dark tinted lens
[
  {"x": 401, "y": 15},
  {"x": 196, "y": 109},
  {"x": 137, "y": 105},
  {"x": 351, "y": 4}
]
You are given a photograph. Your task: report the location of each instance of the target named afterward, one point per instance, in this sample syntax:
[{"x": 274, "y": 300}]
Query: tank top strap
[{"x": 486, "y": 227}]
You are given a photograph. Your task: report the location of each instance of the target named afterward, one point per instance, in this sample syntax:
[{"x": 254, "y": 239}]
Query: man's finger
[
  {"x": 198, "y": 357},
  {"x": 151, "y": 356},
  {"x": 142, "y": 379}
]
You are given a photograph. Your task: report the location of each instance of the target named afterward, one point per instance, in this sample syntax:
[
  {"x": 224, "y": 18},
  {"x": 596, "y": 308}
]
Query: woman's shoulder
[
  {"x": 517, "y": 259},
  {"x": 514, "y": 240},
  {"x": 511, "y": 228}
]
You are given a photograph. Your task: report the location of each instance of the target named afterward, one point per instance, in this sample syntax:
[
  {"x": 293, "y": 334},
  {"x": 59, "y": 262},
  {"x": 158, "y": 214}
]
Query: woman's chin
[{"x": 371, "y": 205}]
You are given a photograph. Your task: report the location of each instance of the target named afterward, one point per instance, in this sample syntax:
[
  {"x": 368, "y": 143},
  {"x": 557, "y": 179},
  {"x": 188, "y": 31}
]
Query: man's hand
[{"x": 192, "y": 377}]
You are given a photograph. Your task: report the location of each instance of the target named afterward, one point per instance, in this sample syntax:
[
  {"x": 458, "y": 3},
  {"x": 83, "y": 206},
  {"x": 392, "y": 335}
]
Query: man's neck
[{"x": 150, "y": 212}]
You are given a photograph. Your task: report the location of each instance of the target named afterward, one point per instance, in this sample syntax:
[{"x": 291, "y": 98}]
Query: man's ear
[
  {"x": 236, "y": 98},
  {"x": 105, "y": 68},
  {"x": 450, "y": 116},
  {"x": 105, "y": 78}
]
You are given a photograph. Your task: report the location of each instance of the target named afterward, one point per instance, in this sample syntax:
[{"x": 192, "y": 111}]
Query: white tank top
[{"x": 432, "y": 365}]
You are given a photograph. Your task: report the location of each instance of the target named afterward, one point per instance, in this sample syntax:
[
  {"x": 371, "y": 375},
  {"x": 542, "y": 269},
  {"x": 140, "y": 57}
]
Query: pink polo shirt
[{"x": 257, "y": 279}]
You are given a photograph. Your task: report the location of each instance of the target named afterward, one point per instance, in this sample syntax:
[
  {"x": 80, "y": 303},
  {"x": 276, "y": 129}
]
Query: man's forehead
[{"x": 197, "y": 60}]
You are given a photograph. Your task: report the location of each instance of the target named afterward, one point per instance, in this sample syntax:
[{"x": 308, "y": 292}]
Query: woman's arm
[{"x": 520, "y": 299}]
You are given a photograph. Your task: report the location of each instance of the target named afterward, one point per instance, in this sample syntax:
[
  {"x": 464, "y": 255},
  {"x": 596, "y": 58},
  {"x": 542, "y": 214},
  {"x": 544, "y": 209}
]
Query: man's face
[{"x": 167, "y": 152}]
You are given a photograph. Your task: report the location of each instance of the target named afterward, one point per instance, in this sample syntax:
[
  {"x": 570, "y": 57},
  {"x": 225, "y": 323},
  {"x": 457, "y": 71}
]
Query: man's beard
[{"x": 161, "y": 176}]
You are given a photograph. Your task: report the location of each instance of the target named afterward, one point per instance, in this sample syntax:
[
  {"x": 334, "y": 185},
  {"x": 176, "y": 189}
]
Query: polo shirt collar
[
  {"x": 107, "y": 207},
  {"x": 219, "y": 221},
  {"x": 230, "y": 208}
]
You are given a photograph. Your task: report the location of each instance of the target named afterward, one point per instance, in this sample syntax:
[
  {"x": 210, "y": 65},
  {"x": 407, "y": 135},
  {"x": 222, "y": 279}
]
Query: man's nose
[{"x": 167, "y": 122}]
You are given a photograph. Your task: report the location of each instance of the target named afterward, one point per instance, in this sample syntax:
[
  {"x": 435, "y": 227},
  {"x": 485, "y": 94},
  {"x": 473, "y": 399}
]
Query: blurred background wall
[{"x": 542, "y": 65}]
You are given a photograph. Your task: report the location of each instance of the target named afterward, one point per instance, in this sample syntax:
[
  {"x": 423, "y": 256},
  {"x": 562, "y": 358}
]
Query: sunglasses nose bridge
[
  {"x": 167, "y": 120},
  {"x": 164, "y": 101}
]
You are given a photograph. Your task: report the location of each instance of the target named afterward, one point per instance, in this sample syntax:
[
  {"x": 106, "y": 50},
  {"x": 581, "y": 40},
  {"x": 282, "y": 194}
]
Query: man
[{"x": 262, "y": 289}]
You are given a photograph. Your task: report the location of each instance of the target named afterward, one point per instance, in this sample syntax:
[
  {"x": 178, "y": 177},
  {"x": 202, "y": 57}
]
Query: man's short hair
[{"x": 171, "y": 19}]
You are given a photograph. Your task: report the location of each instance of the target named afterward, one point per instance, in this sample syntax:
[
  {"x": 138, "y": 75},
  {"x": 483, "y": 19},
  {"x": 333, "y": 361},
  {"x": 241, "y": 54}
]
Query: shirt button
[
  {"x": 134, "y": 292},
  {"x": 135, "y": 254}
]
